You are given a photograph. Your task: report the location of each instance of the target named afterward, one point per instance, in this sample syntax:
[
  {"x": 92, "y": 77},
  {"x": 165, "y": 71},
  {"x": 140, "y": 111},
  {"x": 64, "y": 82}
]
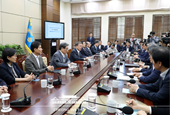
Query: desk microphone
[
  {"x": 23, "y": 100},
  {"x": 103, "y": 88},
  {"x": 84, "y": 111},
  {"x": 77, "y": 71},
  {"x": 57, "y": 81},
  {"x": 106, "y": 55}
]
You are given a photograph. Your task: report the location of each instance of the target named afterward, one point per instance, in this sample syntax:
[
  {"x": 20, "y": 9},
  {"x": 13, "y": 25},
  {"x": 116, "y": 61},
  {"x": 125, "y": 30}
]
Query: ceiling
[{"x": 80, "y": 1}]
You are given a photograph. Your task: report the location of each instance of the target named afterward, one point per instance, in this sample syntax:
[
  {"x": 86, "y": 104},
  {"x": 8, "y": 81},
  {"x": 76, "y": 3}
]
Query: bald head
[{"x": 133, "y": 35}]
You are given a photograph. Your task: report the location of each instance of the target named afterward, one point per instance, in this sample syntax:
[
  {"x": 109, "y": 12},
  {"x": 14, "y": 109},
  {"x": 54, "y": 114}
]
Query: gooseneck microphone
[
  {"x": 84, "y": 111},
  {"x": 103, "y": 88},
  {"x": 23, "y": 100},
  {"x": 57, "y": 81}
]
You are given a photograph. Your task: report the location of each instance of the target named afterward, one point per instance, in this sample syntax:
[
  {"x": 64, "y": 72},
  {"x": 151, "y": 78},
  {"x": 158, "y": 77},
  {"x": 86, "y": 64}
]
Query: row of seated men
[{"x": 154, "y": 66}]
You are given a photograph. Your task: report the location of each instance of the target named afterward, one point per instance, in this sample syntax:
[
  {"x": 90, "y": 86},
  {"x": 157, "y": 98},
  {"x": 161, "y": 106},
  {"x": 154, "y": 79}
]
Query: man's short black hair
[
  {"x": 162, "y": 54},
  {"x": 152, "y": 32},
  {"x": 63, "y": 45},
  {"x": 108, "y": 41},
  {"x": 116, "y": 41},
  {"x": 146, "y": 44},
  {"x": 141, "y": 42},
  {"x": 96, "y": 41},
  {"x": 35, "y": 44},
  {"x": 7, "y": 52},
  {"x": 128, "y": 41},
  {"x": 112, "y": 44},
  {"x": 90, "y": 33},
  {"x": 77, "y": 43},
  {"x": 160, "y": 41}
]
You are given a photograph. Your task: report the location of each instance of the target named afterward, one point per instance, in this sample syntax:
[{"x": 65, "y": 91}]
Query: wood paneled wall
[{"x": 50, "y": 11}]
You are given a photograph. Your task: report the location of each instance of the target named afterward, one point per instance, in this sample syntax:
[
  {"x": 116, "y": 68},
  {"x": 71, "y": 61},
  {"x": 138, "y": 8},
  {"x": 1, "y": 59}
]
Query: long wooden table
[
  {"x": 115, "y": 94},
  {"x": 42, "y": 98}
]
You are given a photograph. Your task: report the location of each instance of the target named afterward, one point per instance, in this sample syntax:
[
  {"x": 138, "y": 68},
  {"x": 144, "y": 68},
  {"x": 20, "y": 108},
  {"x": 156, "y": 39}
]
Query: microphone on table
[
  {"x": 57, "y": 81},
  {"x": 132, "y": 81},
  {"x": 106, "y": 55},
  {"x": 84, "y": 111},
  {"x": 77, "y": 71},
  {"x": 23, "y": 100},
  {"x": 103, "y": 88}
]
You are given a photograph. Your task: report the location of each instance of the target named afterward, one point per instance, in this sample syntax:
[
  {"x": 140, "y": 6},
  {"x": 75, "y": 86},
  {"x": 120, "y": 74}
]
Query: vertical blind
[
  {"x": 122, "y": 27},
  {"x": 82, "y": 26},
  {"x": 161, "y": 24}
]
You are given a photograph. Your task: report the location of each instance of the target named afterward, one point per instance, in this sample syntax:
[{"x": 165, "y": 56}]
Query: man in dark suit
[
  {"x": 94, "y": 48},
  {"x": 60, "y": 58},
  {"x": 88, "y": 44},
  {"x": 83, "y": 50},
  {"x": 91, "y": 38},
  {"x": 108, "y": 45},
  {"x": 117, "y": 46},
  {"x": 157, "y": 92},
  {"x": 34, "y": 62},
  {"x": 128, "y": 48},
  {"x": 100, "y": 47},
  {"x": 76, "y": 54}
]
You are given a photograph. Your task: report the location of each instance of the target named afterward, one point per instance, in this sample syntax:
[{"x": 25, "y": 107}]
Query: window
[
  {"x": 161, "y": 24},
  {"x": 82, "y": 26},
  {"x": 121, "y": 28}
]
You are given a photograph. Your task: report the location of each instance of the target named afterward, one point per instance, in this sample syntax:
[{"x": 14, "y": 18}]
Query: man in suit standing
[
  {"x": 91, "y": 38},
  {"x": 60, "y": 58},
  {"x": 117, "y": 46},
  {"x": 157, "y": 92},
  {"x": 101, "y": 47},
  {"x": 94, "y": 48},
  {"x": 34, "y": 62},
  {"x": 128, "y": 48},
  {"x": 88, "y": 44},
  {"x": 134, "y": 42},
  {"x": 76, "y": 54}
]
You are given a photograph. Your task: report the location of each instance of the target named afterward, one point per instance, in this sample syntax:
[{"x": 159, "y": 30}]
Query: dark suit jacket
[
  {"x": 91, "y": 41},
  {"x": 75, "y": 57},
  {"x": 88, "y": 51},
  {"x": 57, "y": 60},
  {"x": 130, "y": 49},
  {"x": 6, "y": 73},
  {"x": 31, "y": 65},
  {"x": 152, "y": 78},
  {"x": 157, "y": 92},
  {"x": 2, "y": 82},
  {"x": 102, "y": 48},
  {"x": 84, "y": 52},
  {"x": 145, "y": 57},
  {"x": 160, "y": 111},
  {"x": 147, "y": 72},
  {"x": 118, "y": 48},
  {"x": 94, "y": 50},
  {"x": 106, "y": 47}
]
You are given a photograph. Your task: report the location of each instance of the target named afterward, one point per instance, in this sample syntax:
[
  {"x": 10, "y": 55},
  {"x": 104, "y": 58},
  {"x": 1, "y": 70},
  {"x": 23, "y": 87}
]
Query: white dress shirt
[
  {"x": 13, "y": 71},
  {"x": 64, "y": 58},
  {"x": 37, "y": 58}
]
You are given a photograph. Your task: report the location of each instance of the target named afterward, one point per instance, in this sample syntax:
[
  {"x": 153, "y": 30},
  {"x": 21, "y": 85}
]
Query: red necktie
[{"x": 133, "y": 43}]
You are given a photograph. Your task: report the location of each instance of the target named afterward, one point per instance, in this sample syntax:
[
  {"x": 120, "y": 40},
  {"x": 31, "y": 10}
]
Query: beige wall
[{"x": 14, "y": 17}]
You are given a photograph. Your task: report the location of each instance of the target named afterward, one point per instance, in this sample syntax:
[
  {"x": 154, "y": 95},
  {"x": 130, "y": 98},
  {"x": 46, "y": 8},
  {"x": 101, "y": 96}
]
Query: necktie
[
  {"x": 64, "y": 59},
  {"x": 133, "y": 43}
]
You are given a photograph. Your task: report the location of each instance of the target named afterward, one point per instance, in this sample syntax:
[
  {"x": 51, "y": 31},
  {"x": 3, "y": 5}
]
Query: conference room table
[{"x": 45, "y": 101}]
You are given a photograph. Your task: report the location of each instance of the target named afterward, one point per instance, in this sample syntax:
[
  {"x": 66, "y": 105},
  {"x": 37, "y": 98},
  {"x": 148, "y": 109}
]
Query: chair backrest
[
  {"x": 46, "y": 60},
  {"x": 69, "y": 52},
  {"x": 1, "y": 61},
  {"x": 20, "y": 60},
  {"x": 23, "y": 66}
]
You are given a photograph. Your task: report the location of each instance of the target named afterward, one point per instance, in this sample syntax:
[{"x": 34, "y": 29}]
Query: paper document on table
[
  {"x": 131, "y": 65},
  {"x": 130, "y": 69},
  {"x": 126, "y": 78},
  {"x": 124, "y": 90},
  {"x": 129, "y": 73}
]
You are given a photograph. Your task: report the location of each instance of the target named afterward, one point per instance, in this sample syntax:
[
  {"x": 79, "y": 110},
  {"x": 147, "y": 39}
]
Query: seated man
[
  {"x": 100, "y": 47},
  {"x": 157, "y": 92},
  {"x": 117, "y": 46},
  {"x": 89, "y": 53},
  {"x": 123, "y": 46},
  {"x": 94, "y": 48},
  {"x": 128, "y": 48},
  {"x": 76, "y": 55},
  {"x": 112, "y": 49},
  {"x": 83, "y": 50},
  {"x": 108, "y": 45},
  {"x": 154, "y": 74},
  {"x": 34, "y": 62},
  {"x": 60, "y": 58}
]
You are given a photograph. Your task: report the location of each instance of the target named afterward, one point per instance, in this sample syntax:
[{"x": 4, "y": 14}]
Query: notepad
[
  {"x": 124, "y": 90},
  {"x": 129, "y": 73},
  {"x": 126, "y": 78},
  {"x": 132, "y": 65}
]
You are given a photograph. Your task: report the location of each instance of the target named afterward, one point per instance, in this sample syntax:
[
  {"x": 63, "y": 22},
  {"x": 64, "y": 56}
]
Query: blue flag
[{"x": 29, "y": 37}]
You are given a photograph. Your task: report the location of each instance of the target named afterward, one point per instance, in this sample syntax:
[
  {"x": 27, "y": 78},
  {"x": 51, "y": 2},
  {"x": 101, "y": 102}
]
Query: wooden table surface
[{"x": 42, "y": 98}]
